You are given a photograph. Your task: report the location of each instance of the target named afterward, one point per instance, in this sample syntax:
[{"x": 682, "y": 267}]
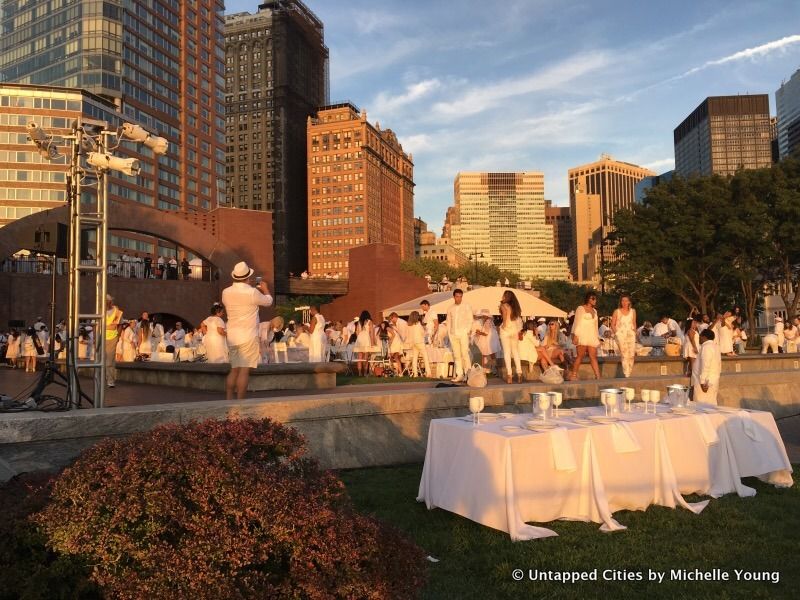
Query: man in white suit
[
  {"x": 706, "y": 370},
  {"x": 459, "y": 325}
]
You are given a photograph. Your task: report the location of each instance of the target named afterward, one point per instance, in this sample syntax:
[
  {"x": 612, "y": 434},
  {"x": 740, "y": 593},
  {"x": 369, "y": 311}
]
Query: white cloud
[
  {"x": 414, "y": 144},
  {"x": 358, "y": 60},
  {"x": 487, "y": 95},
  {"x": 749, "y": 53},
  {"x": 660, "y": 165},
  {"x": 385, "y": 104},
  {"x": 368, "y": 22}
]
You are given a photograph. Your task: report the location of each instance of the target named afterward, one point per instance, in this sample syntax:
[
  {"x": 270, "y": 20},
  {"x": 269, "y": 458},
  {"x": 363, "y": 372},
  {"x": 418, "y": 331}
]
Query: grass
[{"x": 752, "y": 534}]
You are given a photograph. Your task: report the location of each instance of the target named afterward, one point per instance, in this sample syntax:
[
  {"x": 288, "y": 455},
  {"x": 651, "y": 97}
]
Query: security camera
[
  {"x": 37, "y": 134},
  {"x": 104, "y": 162},
  {"x": 49, "y": 152},
  {"x": 137, "y": 133}
]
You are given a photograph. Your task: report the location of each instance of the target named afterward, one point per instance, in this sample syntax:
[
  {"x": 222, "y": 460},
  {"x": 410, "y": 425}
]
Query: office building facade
[
  {"x": 360, "y": 189},
  {"x": 276, "y": 76},
  {"x": 502, "y": 217},
  {"x": 787, "y": 102},
  {"x": 724, "y": 134},
  {"x": 597, "y": 191},
  {"x": 159, "y": 63},
  {"x": 561, "y": 220}
]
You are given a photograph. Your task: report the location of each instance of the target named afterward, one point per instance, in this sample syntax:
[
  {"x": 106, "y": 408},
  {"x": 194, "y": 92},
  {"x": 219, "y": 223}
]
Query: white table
[{"x": 507, "y": 479}]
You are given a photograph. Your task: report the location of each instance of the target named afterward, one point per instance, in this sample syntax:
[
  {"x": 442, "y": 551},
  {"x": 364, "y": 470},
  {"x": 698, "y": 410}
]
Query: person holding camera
[{"x": 242, "y": 302}]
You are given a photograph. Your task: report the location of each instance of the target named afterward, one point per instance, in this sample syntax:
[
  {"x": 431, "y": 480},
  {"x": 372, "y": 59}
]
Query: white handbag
[{"x": 476, "y": 377}]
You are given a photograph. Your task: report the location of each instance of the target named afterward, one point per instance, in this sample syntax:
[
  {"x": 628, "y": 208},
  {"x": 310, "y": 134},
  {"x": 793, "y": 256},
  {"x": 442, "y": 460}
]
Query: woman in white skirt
[
  {"x": 318, "y": 344},
  {"x": 12, "y": 351},
  {"x": 29, "y": 352},
  {"x": 143, "y": 331},
  {"x": 486, "y": 340},
  {"x": 623, "y": 324},
  {"x": 130, "y": 342},
  {"x": 510, "y": 329},
  {"x": 215, "y": 337},
  {"x": 365, "y": 343},
  {"x": 691, "y": 348},
  {"x": 416, "y": 334},
  {"x": 585, "y": 334}
]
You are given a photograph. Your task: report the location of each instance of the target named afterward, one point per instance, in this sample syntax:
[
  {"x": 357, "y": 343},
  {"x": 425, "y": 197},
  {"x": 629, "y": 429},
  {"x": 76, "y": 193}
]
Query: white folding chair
[{"x": 277, "y": 348}]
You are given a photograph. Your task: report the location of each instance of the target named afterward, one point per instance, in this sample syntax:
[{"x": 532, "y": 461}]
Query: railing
[{"x": 42, "y": 265}]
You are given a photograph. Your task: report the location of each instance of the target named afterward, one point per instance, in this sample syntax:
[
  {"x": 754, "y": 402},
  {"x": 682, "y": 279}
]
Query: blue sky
[{"x": 545, "y": 85}]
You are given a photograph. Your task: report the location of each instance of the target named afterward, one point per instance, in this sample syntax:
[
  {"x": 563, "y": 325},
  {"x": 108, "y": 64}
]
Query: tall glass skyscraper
[{"x": 159, "y": 61}]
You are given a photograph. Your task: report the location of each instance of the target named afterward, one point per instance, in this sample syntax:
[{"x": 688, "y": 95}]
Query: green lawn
[{"x": 751, "y": 534}]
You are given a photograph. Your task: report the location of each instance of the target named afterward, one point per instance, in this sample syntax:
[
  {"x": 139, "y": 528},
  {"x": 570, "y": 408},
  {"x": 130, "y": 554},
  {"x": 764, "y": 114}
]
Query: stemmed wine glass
[
  {"x": 645, "y": 399},
  {"x": 556, "y": 398},
  {"x": 475, "y": 407},
  {"x": 630, "y": 394},
  {"x": 544, "y": 405},
  {"x": 655, "y": 398}
]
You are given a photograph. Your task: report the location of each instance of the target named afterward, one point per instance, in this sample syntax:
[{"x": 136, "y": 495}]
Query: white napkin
[
  {"x": 563, "y": 456},
  {"x": 748, "y": 426},
  {"x": 707, "y": 429},
  {"x": 624, "y": 438}
]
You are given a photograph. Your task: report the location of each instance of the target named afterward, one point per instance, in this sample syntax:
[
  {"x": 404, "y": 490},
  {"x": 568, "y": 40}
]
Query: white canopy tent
[{"x": 478, "y": 299}]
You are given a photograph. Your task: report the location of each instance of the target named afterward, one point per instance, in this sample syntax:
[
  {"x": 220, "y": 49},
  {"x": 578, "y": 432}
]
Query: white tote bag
[{"x": 476, "y": 376}]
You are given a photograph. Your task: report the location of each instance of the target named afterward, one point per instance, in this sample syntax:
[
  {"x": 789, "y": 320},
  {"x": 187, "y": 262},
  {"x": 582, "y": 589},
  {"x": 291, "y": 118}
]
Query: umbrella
[{"x": 482, "y": 298}]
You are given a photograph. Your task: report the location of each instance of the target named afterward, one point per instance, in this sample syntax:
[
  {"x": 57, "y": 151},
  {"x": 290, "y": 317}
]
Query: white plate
[
  {"x": 683, "y": 410},
  {"x": 542, "y": 427},
  {"x": 506, "y": 415},
  {"x": 603, "y": 419},
  {"x": 511, "y": 428},
  {"x": 565, "y": 412},
  {"x": 580, "y": 421},
  {"x": 665, "y": 416}
]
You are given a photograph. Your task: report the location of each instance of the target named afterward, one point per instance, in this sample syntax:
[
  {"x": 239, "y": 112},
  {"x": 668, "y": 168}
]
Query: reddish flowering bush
[{"x": 222, "y": 509}]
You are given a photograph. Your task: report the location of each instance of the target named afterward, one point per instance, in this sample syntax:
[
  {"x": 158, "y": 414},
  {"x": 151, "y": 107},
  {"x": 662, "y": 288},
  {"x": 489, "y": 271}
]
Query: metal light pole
[{"x": 475, "y": 255}]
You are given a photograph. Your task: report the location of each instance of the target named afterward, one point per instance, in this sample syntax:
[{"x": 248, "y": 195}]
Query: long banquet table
[{"x": 506, "y": 479}]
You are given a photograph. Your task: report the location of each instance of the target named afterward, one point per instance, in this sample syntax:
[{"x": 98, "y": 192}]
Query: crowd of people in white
[{"x": 436, "y": 346}]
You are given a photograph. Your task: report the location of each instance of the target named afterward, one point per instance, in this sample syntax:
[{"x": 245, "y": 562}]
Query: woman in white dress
[
  {"x": 318, "y": 344},
  {"x": 12, "y": 351},
  {"x": 29, "y": 352},
  {"x": 623, "y": 324},
  {"x": 365, "y": 343},
  {"x": 143, "y": 331},
  {"x": 157, "y": 336},
  {"x": 416, "y": 334},
  {"x": 585, "y": 335},
  {"x": 486, "y": 340},
  {"x": 510, "y": 329},
  {"x": 726, "y": 336},
  {"x": 530, "y": 349},
  {"x": 692, "y": 346},
  {"x": 130, "y": 342},
  {"x": 214, "y": 339}
]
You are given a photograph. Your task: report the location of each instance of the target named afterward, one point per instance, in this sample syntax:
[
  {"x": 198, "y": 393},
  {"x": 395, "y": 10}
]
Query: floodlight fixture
[
  {"x": 106, "y": 162},
  {"x": 42, "y": 141},
  {"x": 137, "y": 133}
]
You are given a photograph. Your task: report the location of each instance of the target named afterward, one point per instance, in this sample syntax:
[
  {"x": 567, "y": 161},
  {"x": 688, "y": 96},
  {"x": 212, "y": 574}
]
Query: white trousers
[
  {"x": 459, "y": 342},
  {"x": 769, "y": 342},
  {"x": 510, "y": 343},
  {"x": 709, "y": 397},
  {"x": 418, "y": 350}
]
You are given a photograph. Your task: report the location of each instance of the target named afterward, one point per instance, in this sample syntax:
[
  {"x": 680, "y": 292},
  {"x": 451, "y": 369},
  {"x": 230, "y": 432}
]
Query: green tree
[
  {"x": 673, "y": 243},
  {"x": 437, "y": 269}
]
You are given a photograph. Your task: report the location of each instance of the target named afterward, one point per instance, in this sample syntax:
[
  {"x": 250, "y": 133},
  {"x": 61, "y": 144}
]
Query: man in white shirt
[
  {"x": 178, "y": 337},
  {"x": 706, "y": 369},
  {"x": 427, "y": 320},
  {"x": 779, "y": 327},
  {"x": 459, "y": 325},
  {"x": 242, "y": 302},
  {"x": 541, "y": 330}
]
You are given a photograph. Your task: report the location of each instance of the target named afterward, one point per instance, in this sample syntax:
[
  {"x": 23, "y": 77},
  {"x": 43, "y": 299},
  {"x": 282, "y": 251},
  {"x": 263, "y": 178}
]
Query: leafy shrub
[
  {"x": 28, "y": 570},
  {"x": 222, "y": 509}
]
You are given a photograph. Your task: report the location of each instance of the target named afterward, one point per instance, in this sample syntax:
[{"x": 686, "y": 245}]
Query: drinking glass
[
  {"x": 645, "y": 399},
  {"x": 475, "y": 406},
  {"x": 544, "y": 404},
  {"x": 630, "y": 394},
  {"x": 556, "y": 398},
  {"x": 655, "y": 398},
  {"x": 605, "y": 398}
]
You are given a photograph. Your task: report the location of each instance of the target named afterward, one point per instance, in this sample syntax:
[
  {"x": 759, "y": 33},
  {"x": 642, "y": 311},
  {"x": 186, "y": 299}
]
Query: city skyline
[{"x": 542, "y": 86}]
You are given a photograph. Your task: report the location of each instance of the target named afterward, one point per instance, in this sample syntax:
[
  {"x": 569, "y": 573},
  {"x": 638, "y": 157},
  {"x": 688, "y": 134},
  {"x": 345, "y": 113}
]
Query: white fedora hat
[{"x": 241, "y": 271}]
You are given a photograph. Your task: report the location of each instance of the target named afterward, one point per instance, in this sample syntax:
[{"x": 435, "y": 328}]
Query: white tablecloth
[{"x": 587, "y": 472}]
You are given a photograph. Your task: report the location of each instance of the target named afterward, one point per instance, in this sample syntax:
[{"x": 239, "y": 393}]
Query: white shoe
[{"x": 110, "y": 384}]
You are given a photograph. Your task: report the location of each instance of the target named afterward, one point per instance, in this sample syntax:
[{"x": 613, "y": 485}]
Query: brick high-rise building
[
  {"x": 276, "y": 76},
  {"x": 724, "y": 134},
  {"x": 560, "y": 219},
  {"x": 597, "y": 191},
  {"x": 502, "y": 216},
  {"x": 360, "y": 188}
]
